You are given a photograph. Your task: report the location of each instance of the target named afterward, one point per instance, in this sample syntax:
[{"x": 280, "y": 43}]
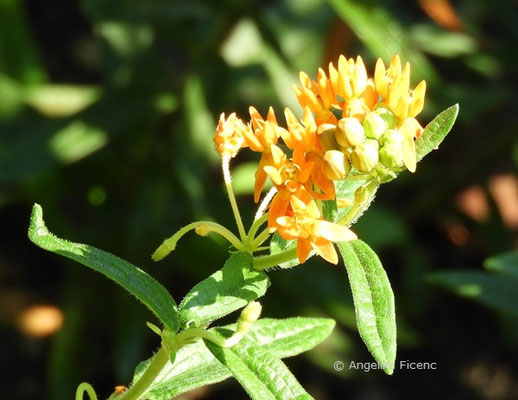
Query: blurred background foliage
[{"x": 107, "y": 111}]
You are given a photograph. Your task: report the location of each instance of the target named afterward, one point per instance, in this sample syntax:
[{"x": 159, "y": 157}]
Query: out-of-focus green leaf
[
  {"x": 11, "y": 95},
  {"x": 373, "y": 301},
  {"x": 200, "y": 122},
  {"x": 77, "y": 140},
  {"x": 242, "y": 181},
  {"x": 126, "y": 39},
  {"x": 506, "y": 264},
  {"x": 261, "y": 374},
  {"x": 436, "y": 131},
  {"x": 243, "y": 45},
  {"x": 496, "y": 291},
  {"x": 18, "y": 57},
  {"x": 61, "y": 100},
  {"x": 394, "y": 232},
  {"x": 225, "y": 291},
  {"x": 195, "y": 365},
  {"x": 131, "y": 278},
  {"x": 383, "y": 35},
  {"x": 442, "y": 43}
]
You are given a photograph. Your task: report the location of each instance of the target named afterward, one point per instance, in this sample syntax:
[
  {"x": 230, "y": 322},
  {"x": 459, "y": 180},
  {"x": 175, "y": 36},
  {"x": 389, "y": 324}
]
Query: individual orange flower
[
  {"x": 263, "y": 134},
  {"x": 290, "y": 177},
  {"x": 351, "y": 83},
  {"x": 304, "y": 132},
  {"x": 306, "y": 225},
  {"x": 318, "y": 96},
  {"x": 229, "y": 136},
  {"x": 393, "y": 85}
]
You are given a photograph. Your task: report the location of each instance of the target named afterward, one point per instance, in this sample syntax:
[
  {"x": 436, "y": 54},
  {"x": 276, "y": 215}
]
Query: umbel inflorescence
[{"x": 353, "y": 127}]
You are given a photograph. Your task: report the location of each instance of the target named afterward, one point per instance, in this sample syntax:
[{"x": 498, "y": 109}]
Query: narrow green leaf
[
  {"x": 195, "y": 365},
  {"x": 383, "y": 34},
  {"x": 225, "y": 291},
  {"x": 495, "y": 291},
  {"x": 263, "y": 375},
  {"x": 436, "y": 131},
  {"x": 134, "y": 280},
  {"x": 506, "y": 264},
  {"x": 373, "y": 301}
]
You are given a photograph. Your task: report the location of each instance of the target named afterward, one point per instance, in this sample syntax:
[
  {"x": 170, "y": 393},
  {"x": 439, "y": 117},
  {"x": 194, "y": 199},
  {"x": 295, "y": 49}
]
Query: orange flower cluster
[{"x": 352, "y": 125}]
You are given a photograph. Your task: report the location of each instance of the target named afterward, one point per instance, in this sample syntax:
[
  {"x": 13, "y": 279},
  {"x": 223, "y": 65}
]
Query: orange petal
[
  {"x": 326, "y": 250},
  {"x": 278, "y": 207},
  {"x": 334, "y": 232},
  {"x": 303, "y": 249}
]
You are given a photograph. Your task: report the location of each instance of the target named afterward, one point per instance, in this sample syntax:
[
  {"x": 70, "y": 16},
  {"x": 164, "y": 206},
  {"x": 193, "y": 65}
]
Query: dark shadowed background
[{"x": 107, "y": 112}]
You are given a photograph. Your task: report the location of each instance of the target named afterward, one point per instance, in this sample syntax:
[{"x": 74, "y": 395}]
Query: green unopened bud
[
  {"x": 251, "y": 312},
  {"x": 374, "y": 126},
  {"x": 336, "y": 166},
  {"x": 391, "y": 155},
  {"x": 391, "y": 136},
  {"x": 349, "y": 132},
  {"x": 328, "y": 141},
  {"x": 388, "y": 116},
  {"x": 365, "y": 156}
]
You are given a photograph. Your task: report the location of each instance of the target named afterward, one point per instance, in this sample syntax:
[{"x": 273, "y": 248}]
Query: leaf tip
[{"x": 37, "y": 225}]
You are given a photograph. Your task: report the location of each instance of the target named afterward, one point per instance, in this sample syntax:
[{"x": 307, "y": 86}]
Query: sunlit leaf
[
  {"x": 134, "y": 280},
  {"x": 373, "y": 301},
  {"x": 225, "y": 291}
]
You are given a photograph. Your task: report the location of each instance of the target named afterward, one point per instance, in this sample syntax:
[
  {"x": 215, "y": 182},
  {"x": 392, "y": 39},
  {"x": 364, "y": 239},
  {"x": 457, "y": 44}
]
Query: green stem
[
  {"x": 228, "y": 184},
  {"x": 259, "y": 240},
  {"x": 147, "y": 378},
  {"x": 85, "y": 387},
  {"x": 359, "y": 206},
  {"x": 255, "y": 227},
  {"x": 169, "y": 244},
  {"x": 265, "y": 262}
]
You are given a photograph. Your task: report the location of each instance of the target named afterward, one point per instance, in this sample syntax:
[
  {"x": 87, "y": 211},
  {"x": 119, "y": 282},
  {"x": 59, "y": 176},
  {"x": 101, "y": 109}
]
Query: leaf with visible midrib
[
  {"x": 225, "y": 291},
  {"x": 195, "y": 365},
  {"x": 373, "y": 301},
  {"x": 435, "y": 132},
  {"x": 262, "y": 375},
  {"x": 134, "y": 280}
]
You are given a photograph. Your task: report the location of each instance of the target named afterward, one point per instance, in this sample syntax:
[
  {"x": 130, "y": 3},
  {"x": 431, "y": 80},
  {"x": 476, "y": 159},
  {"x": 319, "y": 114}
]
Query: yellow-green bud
[
  {"x": 349, "y": 132},
  {"x": 365, "y": 156},
  {"x": 391, "y": 136},
  {"x": 388, "y": 116},
  {"x": 251, "y": 312},
  {"x": 391, "y": 155},
  {"x": 327, "y": 140},
  {"x": 336, "y": 166},
  {"x": 374, "y": 126}
]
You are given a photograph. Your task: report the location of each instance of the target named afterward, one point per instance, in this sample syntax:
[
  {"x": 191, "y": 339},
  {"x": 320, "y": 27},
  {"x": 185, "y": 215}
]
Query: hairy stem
[
  {"x": 228, "y": 184},
  {"x": 152, "y": 371},
  {"x": 265, "y": 262}
]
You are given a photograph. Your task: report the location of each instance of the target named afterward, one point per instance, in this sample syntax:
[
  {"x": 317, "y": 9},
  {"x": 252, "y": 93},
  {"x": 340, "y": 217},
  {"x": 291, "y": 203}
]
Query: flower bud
[
  {"x": 391, "y": 155},
  {"x": 251, "y": 312},
  {"x": 374, "y": 126},
  {"x": 391, "y": 136},
  {"x": 365, "y": 156},
  {"x": 202, "y": 230},
  {"x": 336, "y": 165},
  {"x": 328, "y": 141},
  {"x": 349, "y": 132},
  {"x": 388, "y": 116}
]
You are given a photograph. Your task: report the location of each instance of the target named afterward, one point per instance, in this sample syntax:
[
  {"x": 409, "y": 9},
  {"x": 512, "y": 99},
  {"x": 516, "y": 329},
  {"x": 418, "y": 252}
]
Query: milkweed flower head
[{"x": 353, "y": 127}]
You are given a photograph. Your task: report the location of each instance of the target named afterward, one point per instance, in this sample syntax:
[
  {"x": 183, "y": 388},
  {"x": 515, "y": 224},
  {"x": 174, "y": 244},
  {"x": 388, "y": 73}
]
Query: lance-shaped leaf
[
  {"x": 195, "y": 365},
  {"x": 505, "y": 264},
  {"x": 134, "y": 280},
  {"x": 264, "y": 376},
  {"x": 373, "y": 301},
  {"x": 225, "y": 291},
  {"x": 499, "y": 292},
  {"x": 435, "y": 132}
]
